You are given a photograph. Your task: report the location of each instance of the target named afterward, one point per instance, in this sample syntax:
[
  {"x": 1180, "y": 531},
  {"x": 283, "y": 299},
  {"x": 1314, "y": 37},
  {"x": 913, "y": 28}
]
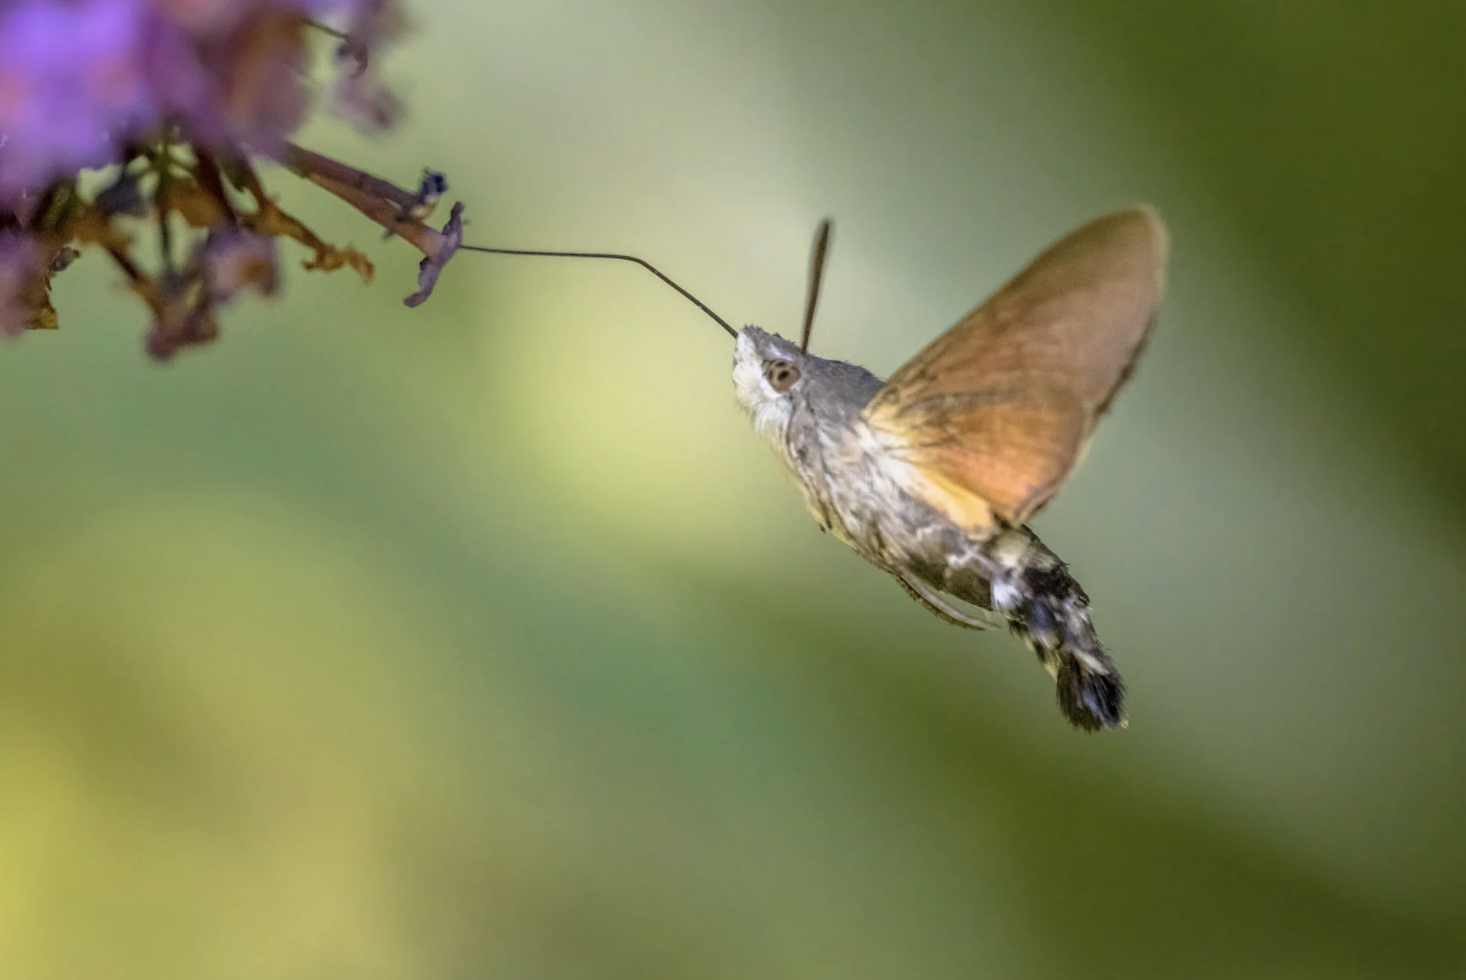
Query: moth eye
[{"x": 781, "y": 375}]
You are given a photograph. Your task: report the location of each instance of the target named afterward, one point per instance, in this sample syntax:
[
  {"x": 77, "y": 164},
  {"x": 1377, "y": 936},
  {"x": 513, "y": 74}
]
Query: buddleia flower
[{"x": 176, "y": 102}]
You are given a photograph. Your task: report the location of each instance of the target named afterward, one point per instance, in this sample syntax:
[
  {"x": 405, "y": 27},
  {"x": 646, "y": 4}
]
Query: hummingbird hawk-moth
[{"x": 933, "y": 474}]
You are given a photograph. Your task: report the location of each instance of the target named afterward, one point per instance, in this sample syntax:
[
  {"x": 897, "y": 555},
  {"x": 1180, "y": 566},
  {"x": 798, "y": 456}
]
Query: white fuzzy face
[{"x": 767, "y": 371}]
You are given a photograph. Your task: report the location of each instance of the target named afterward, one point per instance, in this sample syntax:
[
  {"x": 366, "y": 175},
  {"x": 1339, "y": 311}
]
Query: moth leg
[{"x": 938, "y": 606}]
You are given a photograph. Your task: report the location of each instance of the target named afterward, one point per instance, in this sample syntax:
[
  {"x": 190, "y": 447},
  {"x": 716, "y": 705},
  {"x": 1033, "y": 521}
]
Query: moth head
[{"x": 768, "y": 372}]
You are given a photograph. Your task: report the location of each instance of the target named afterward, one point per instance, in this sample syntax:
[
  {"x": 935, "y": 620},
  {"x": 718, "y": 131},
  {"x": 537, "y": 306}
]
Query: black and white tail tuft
[{"x": 1049, "y": 610}]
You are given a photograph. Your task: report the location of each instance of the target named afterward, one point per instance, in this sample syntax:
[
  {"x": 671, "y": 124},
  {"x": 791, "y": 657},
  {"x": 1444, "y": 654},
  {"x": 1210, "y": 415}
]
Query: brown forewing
[{"x": 993, "y": 414}]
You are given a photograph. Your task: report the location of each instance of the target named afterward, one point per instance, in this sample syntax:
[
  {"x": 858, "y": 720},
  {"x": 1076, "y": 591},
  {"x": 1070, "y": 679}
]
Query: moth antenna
[
  {"x": 608, "y": 255},
  {"x": 816, "y": 276}
]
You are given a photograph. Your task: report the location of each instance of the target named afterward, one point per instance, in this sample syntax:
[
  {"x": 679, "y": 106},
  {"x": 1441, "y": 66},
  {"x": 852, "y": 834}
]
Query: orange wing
[{"x": 991, "y": 417}]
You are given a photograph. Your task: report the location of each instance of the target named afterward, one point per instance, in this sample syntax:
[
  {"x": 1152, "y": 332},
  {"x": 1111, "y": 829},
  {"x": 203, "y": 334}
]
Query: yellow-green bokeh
[{"x": 485, "y": 640}]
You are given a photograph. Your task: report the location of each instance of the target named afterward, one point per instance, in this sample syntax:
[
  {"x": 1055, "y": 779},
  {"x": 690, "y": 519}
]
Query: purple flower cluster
[
  {"x": 72, "y": 87},
  {"x": 179, "y": 96},
  {"x": 81, "y": 79}
]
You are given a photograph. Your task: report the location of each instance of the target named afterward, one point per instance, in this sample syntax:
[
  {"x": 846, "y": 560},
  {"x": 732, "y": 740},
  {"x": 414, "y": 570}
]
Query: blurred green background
[{"x": 486, "y": 640}]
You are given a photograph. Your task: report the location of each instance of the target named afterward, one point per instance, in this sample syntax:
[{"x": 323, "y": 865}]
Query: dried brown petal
[
  {"x": 25, "y": 302},
  {"x": 90, "y": 226},
  {"x": 189, "y": 200},
  {"x": 272, "y": 222}
]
